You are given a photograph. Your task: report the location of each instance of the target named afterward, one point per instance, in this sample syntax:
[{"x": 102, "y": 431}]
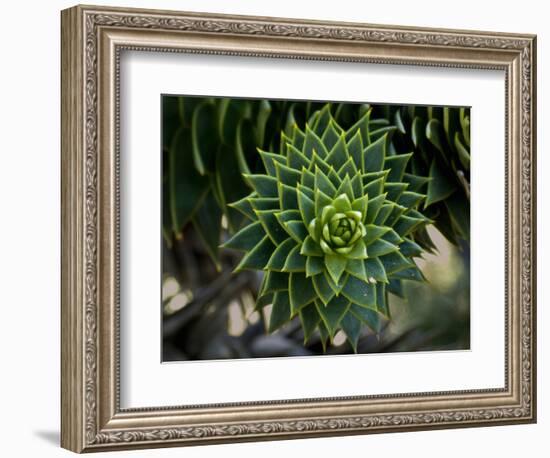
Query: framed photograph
[{"x": 277, "y": 228}]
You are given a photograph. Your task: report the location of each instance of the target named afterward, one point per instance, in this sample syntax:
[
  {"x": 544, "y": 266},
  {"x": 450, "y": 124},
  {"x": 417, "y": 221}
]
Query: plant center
[{"x": 342, "y": 231}]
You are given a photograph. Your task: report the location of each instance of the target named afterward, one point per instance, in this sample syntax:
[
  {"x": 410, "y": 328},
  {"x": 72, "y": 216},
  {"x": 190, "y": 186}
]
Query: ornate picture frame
[{"x": 92, "y": 41}]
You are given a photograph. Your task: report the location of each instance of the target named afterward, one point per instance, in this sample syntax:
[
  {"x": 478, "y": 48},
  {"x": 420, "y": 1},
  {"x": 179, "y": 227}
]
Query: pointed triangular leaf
[
  {"x": 333, "y": 312},
  {"x": 311, "y": 248},
  {"x": 271, "y": 225},
  {"x": 264, "y": 203},
  {"x": 357, "y": 185},
  {"x": 410, "y": 199},
  {"x": 313, "y": 143},
  {"x": 298, "y": 137},
  {"x": 323, "y": 184},
  {"x": 321, "y": 201},
  {"x": 295, "y": 158},
  {"x": 297, "y": 230},
  {"x": 310, "y": 319},
  {"x": 374, "y": 155},
  {"x": 323, "y": 334},
  {"x": 412, "y": 273},
  {"x": 374, "y": 188},
  {"x": 330, "y": 136},
  {"x": 280, "y": 312},
  {"x": 362, "y": 125},
  {"x": 301, "y": 291},
  {"x": 247, "y": 238},
  {"x": 244, "y": 206},
  {"x": 392, "y": 237},
  {"x": 339, "y": 154},
  {"x": 295, "y": 262},
  {"x": 355, "y": 149},
  {"x": 334, "y": 178},
  {"x": 278, "y": 258},
  {"x": 369, "y": 177},
  {"x": 375, "y": 270},
  {"x": 405, "y": 225},
  {"x": 394, "y": 190},
  {"x": 361, "y": 205},
  {"x": 410, "y": 248},
  {"x": 321, "y": 123},
  {"x": 307, "y": 179},
  {"x": 373, "y": 233},
  {"x": 356, "y": 267},
  {"x": 360, "y": 292},
  {"x": 287, "y": 175},
  {"x": 370, "y": 317},
  {"x": 335, "y": 264},
  {"x": 393, "y": 216},
  {"x": 258, "y": 257},
  {"x": 349, "y": 169},
  {"x": 323, "y": 288},
  {"x": 394, "y": 262},
  {"x": 396, "y": 165},
  {"x": 374, "y": 207},
  {"x": 262, "y": 301},
  {"x": 416, "y": 183},
  {"x": 307, "y": 207},
  {"x": 288, "y": 197},
  {"x": 396, "y": 287},
  {"x": 352, "y": 328},
  {"x": 264, "y": 185},
  {"x": 346, "y": 188},
  {"x": 288, "y": 215},
  {"x": 384, "y": 213},
  {"x": 317, "y": 161},
  {"x": 314, "y": 266},
  {"x": 274, "y": 281},
  {"x": 359, "y": 251},
  {"x": 342, "y": 203}
]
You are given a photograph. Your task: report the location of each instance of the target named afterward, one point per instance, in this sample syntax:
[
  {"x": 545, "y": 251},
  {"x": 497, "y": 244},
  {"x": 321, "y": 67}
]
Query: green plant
[
  {"x": 332, "y": 224},
  {"x": 439, "y": 138},
  {"x": 208, "y": 144}
]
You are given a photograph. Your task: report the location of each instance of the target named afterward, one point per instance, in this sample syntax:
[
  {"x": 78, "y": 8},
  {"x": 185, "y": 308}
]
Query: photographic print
[{"x": 302, "y": 228}]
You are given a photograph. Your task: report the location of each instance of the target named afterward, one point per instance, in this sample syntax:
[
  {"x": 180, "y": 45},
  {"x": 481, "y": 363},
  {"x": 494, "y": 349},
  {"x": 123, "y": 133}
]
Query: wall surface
[{"x": 29, "y": 242}]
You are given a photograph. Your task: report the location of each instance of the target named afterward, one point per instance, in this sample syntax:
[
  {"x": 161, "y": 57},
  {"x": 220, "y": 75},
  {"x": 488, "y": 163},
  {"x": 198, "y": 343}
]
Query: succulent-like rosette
[
  {"x": 332, "y": 226},
  {"x": 340, "y": 228}
]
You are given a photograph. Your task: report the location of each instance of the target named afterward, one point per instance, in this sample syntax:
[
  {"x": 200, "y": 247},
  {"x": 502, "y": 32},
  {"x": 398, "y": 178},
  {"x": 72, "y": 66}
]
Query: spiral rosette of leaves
[{"x": 332, "y": 225}]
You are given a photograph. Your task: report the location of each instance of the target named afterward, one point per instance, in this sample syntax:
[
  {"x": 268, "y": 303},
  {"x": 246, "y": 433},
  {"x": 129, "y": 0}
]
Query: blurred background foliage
[{"x": 208, "y": 311}]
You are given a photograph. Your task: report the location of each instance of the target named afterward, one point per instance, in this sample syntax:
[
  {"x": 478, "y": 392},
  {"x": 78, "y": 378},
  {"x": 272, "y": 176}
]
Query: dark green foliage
[
  {"x": 380, "y": 173},
  {"x": 439, "y": 138},
  {"x": 329, "y": 221}
]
